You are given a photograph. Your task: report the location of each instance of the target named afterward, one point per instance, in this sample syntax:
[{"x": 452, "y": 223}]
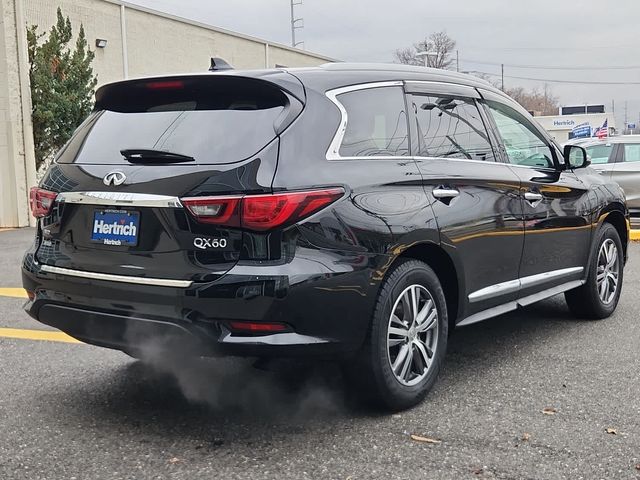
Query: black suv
[{"x": 352, "y": 211}]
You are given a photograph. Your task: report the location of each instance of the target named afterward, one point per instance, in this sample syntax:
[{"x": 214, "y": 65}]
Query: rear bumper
[{"x": 326, "y": 298}]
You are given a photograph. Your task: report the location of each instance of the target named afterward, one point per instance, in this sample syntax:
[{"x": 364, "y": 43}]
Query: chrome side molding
[
  {"x": 521, "y": 302},
  {"x": 120, "y": 199},
  {"x": 524, "y": 282},
  {"x": 158, "y": 282}
]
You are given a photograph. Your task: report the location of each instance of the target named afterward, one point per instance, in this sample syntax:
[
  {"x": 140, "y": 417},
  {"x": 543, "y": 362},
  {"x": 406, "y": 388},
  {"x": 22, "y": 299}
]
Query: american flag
[{"x": 603, "y": 131}]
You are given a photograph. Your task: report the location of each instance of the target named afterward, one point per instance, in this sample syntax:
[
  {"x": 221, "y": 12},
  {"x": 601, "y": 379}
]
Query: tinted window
[
  {"x": 599, "y": 153},
  {"x": 524, "y": 145},
  {"x": 451, "y": 128},
  {"x": 376, "y": 123},
  {"x": 632, "y": 152},
  {"x": 211, "y": 122}
]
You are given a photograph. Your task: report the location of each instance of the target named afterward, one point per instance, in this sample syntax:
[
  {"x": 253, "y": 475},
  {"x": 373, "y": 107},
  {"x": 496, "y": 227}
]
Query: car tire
[
  {"x": 598, "y": 297},
  {"x": 373, "y": 370}
]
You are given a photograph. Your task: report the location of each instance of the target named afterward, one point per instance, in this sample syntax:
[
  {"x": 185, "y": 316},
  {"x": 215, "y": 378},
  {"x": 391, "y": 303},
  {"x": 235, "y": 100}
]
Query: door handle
[
  {"x": 444, "y": 193},
  {"x": 532, "y": 197}
]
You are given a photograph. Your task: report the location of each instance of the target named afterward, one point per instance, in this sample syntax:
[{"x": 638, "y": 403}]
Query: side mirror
[{"x": 575, "y": 157}]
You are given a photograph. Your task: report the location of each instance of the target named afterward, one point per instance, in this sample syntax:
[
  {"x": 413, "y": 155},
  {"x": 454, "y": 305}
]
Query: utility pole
[
  {"x": 296, "y": 23},
  {"x": 457, "y": 60},
  {"x": 502, "y": 67},
  {"x": 626, "y": 117}
]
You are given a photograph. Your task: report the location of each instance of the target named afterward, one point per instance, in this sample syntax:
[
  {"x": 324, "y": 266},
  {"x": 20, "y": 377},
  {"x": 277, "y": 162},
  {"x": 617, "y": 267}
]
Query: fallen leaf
[
  {"x": 478, "y": 471},
  {"x": 637, "y": 466},
  {"x": 550, "y": 411},
  {"x": 418, "y": 438},
  {"x": 611, "y": 431},
  {"x": 174, "y": 460},
  {"x": 526, "y": 436}
]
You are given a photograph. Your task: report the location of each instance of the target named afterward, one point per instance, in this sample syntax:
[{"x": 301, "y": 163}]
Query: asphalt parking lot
[{"x": 71, "y": 411}]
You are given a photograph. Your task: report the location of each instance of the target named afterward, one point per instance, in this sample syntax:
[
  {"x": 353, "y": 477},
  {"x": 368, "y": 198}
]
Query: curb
[{"x": 634, "y": 235}]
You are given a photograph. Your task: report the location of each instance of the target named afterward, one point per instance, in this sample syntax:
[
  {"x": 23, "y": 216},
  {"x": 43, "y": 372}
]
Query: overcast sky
[{"x": 557, "y": 34}]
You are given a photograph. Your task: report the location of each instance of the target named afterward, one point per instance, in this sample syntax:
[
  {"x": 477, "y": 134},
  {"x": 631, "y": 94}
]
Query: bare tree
[
  {"x": 542, "y": 102},
  {"x": 438, "y": 43},
  {"x": 535, "y": 100}
]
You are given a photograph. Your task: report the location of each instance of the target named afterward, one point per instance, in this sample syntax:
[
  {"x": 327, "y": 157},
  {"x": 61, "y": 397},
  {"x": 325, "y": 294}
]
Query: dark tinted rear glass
[
  {"x": 214, "y": 120},
  {"x": 377, "y": 123}
]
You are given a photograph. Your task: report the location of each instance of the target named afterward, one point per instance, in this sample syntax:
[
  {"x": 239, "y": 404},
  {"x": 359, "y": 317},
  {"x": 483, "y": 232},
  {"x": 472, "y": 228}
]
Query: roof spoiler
[{"x": 218, "y": 64}]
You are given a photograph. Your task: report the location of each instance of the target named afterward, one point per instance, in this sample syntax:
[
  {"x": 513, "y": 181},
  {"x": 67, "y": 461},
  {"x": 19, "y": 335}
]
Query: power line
[
  {"x": 555, "y": 67},
  {"x": 550, "y": 80},
  {"x": 564, "y": 49}
]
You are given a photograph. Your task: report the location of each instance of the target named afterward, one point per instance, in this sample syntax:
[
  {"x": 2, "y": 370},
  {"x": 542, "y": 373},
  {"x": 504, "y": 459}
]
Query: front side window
[
  {"x": 632, "y": 152},
  {"x": 450, "y": 127},
  {"x": 523, "y": 144},
  {"x": 376, "y": 123},
  {"x": 599, "y": 153}
]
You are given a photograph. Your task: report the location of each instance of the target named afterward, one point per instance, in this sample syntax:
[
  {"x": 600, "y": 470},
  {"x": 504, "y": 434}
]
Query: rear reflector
[
  {"x": 253, "y": 327},
  {"x": 41, "y": 201},
  {"x": 261, "y": 212}
]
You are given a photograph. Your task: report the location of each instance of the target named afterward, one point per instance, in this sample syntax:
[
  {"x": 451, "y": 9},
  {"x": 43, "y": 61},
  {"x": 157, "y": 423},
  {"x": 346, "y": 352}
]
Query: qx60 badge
[
  {"x": 206, "y": 243},
  {"x": 114, "y": 178}
]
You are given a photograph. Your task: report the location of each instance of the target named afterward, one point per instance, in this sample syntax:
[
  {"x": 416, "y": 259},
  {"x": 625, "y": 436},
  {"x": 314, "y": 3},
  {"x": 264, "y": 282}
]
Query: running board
[{"x": 521, "y": 302}]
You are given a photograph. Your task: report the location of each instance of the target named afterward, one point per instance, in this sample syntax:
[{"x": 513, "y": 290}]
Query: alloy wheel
[
  {"x": 607, "y": 273},
  {"x": 412, "y": 337}
]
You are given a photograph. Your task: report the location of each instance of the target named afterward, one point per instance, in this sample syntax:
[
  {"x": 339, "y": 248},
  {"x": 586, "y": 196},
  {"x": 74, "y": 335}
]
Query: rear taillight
[
  {"x": 216, "y": 210},
  {"x": 261, "y": 212},
  {"x": 41, "y": 201}
]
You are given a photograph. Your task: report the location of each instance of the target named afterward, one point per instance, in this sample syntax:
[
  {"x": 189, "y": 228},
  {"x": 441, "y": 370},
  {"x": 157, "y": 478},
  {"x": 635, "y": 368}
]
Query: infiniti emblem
[{"x": 114, "y": 178}]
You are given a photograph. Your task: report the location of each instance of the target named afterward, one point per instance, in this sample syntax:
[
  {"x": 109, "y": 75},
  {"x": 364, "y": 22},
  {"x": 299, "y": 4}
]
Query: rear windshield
[{"x": 214, "y": 121}]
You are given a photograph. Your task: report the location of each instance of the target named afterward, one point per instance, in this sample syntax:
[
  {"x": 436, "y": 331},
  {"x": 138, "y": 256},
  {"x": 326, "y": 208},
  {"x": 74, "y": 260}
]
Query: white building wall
[
  {"x": 159, "y": 43},
  {"x": 17, "y": 164},
  {"x": 153, "y": 43}
]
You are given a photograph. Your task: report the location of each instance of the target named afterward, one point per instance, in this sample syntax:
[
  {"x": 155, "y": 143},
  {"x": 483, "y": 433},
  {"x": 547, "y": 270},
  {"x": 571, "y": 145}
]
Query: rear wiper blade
[{"x": 142, "y": 155}]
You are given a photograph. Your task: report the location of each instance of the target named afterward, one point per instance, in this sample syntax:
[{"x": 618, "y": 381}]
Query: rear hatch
[{"x": 123, "y": 177}]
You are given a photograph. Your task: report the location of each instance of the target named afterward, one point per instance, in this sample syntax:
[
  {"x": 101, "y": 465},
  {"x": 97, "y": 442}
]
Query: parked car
[
  {"x": 618, "y": 159},
  {"x": 357, "y": 212}
]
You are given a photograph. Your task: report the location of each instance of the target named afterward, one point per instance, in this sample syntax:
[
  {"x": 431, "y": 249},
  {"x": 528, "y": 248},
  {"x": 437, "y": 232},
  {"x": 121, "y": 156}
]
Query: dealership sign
[
  {"x": 581, "y": 131},
  {"x": 566, "y": 123}
]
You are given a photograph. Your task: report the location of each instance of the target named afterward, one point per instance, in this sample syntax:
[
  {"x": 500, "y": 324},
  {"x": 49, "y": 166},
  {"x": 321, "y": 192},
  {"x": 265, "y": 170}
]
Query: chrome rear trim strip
[
  {"x": 120, "y": 199},
  {"x": 524, "y": 282},
  {"x": 158, "y": 282}
]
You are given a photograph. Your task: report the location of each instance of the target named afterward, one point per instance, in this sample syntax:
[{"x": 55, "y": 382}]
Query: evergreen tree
[{"x": 62, "y": 85}]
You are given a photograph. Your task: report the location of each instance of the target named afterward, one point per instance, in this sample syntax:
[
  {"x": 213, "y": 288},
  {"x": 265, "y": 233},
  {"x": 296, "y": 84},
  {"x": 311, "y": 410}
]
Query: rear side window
[
  {"x": 376, "y": 123},
  {"x": 450, "y": 127},
  {"x": 632, "y": 152},
  {"x": 599, "y": 153},
  {"x": 213, "y": 120}
]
